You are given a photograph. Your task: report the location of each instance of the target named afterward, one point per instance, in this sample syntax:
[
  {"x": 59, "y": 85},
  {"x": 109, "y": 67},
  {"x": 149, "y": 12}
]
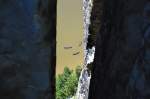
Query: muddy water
[{"x": 69, "y": 34}]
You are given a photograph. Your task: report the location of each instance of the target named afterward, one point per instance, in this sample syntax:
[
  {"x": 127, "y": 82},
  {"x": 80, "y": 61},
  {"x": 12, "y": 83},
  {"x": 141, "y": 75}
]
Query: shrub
[{"x": 66, "y": 83}]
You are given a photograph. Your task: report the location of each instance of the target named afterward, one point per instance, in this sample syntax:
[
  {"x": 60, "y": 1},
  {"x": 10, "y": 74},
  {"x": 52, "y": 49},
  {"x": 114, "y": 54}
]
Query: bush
[
  {"x": 78, "y": 71},
  {"x": 66, "y": 83}
]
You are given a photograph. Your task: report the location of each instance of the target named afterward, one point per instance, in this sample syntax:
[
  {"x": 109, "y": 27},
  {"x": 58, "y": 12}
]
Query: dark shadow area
[
  {"x": 121, "y": 68},
  {"x": 27, "y": 49}
]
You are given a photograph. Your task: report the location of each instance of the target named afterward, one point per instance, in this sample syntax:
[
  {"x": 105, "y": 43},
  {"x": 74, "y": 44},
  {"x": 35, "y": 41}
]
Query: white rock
[{"x": 84, "y": 80}]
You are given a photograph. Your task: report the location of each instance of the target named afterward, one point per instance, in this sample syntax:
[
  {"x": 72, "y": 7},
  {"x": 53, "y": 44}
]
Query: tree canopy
[{"x": 66, "y": 83}]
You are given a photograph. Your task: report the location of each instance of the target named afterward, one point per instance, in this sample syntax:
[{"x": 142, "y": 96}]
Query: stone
[
  {"x": 120, "y": 68},
  {"x": 27, "y": 59}
]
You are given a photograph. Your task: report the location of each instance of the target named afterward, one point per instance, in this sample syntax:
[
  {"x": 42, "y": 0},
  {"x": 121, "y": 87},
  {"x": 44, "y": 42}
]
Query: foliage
[
  {"x": 66, "y": 83},
  {"x": 78, "y": 70}
]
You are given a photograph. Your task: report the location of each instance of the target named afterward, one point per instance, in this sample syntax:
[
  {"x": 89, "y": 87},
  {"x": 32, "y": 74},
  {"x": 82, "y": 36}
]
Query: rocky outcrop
[
  {"x": 89, "y": 51},
  {"x": 121, "y": 67},
  {"x": 27, "y": 49}
]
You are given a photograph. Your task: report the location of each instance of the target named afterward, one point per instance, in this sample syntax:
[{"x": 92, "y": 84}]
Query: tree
[
  {"x": 66, "y": 83},
  {"x": 78, "y": 70}
]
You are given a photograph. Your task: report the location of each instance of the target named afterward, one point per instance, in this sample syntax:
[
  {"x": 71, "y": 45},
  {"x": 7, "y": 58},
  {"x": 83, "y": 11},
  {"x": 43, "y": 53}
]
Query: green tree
[
  {"x": 78, "y": 71},
  {"x": 66, "y": 83},
  {"x": 71, "y": 85},
  {"x": 60, "y": 82}
]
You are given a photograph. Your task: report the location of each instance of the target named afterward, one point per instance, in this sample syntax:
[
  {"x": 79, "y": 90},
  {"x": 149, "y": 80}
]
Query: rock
[
  {"x": 89, "y": 51},
  {"x": 27, "y": 58},
  {"x": 121, "y": 64},
  {"x": 6, "y": 46}
]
